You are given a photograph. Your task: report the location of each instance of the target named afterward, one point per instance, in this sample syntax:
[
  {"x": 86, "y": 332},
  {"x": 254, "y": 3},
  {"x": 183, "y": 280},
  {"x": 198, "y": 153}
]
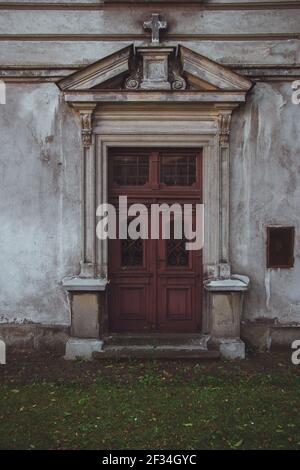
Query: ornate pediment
[
  {"x": 202, "y": 73},
  {"x": 99, "y": 73},
  {"x": 155, "y": 68}
]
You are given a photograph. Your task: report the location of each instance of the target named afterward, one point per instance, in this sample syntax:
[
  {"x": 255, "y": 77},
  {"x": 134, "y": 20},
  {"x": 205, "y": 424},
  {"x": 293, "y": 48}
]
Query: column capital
[
  {"x": 85, "y": 111},
  {"x": 224, "y": 120}
]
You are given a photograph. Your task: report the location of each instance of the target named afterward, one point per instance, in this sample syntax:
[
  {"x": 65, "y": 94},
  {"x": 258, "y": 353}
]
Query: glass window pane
[
  {"x": 132, "y": 252},
  {"x": 130, "y": 170},
  {"x": 178, "y": 170},
  {"x": 177, "y": 255}
]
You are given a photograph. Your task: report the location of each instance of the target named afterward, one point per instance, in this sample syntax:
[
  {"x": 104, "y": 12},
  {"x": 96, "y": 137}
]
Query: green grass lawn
[{"x": 152, "y": 406}]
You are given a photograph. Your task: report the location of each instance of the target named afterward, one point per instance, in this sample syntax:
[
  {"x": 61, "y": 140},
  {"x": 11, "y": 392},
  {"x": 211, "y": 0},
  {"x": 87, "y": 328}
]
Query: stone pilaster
[
  {"x": 224, "y": 131},
  {"x": 88, "y": 211}
]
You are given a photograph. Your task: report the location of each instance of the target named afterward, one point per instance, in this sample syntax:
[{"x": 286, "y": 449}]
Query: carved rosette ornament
[
  {"x": 86, "y": 129},
  {"x": 224, "y": 128}
]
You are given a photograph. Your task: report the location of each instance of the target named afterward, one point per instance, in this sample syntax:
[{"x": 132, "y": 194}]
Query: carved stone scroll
[{"x": 133, "y": 82}]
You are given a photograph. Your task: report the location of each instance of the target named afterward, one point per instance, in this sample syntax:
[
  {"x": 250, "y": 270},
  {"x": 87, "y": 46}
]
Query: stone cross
[{"x": 155, "y": 25}]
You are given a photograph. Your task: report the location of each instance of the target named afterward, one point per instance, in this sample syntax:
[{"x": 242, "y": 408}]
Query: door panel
[
  {"x": 155, "y": 285},
  {"x": 129, "y": 304},
  {"x": 178, "y": 278},
  {"x": 131, "y": 282}
]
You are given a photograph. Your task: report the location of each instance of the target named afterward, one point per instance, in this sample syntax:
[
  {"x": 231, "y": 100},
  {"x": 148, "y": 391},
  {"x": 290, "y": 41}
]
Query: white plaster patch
[
  {"x": 268, "y": 288},
  {"x": 269, "y": 105},
  {"x": 41, "y": 106},
  {"x": 2, "y": 92},
  {"x": 2, "y": 352}
]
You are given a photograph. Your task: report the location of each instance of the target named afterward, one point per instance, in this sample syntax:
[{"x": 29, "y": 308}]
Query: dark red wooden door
[{"x": 155, "y": 284}]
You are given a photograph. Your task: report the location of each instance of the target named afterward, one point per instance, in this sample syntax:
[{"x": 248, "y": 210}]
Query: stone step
[
  {"x": 156, "y": 346},
  {"x": 157, "y": 339},
  {"x": 140, "y": 352}
]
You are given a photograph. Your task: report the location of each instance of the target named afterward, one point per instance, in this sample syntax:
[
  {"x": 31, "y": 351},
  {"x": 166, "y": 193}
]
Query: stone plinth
[
  {"x": 155, "y": 68},
  {"x": 85, "y": 315},
  {"x": 225, "y": 300},
  {"x": 87, "y": 306}
]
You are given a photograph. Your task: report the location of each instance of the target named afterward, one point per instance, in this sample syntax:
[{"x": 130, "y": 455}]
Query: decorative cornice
[
  {"x": 52, "y": 73},
  {"x": 117, "y": 4},
  {"x": 142, "y": 37},
  {"x": 155, "y": 97}
]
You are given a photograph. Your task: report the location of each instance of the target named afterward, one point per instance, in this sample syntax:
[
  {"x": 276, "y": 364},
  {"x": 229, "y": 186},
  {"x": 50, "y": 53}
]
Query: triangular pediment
[
  {"x": 155, "y": 69},
  {"x": 202, "y": 72},
  {"x": 99, "y": 73}
]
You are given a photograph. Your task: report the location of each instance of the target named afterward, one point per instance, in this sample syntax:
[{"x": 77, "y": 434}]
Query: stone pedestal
[
  {"x": 85, "y": 311},
  {"x": 155, "y": 68},
  {"x": 87, "y": 306},
  {"x": 225, "y": 300}
]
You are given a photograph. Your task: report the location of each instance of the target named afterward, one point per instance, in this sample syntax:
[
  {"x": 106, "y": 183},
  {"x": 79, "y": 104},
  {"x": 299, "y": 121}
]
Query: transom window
[
  {"x": 154, "y": 168},
  {"x": 130, "y": 170},
  {"x": 178, "y": 170}
]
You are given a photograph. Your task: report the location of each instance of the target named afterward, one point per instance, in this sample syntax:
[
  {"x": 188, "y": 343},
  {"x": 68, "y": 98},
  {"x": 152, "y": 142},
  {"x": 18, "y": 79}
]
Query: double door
[{"x": 155, "y": 283}]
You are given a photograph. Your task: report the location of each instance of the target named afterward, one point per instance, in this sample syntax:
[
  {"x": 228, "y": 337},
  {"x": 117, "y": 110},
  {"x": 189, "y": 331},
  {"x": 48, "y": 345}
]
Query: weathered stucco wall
[
  {"x": 39, "y": 167},
  {"x": 265, "y": 189},
  {"x": 40, "y": 201},
  {"x": 39, "y": 204}
]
